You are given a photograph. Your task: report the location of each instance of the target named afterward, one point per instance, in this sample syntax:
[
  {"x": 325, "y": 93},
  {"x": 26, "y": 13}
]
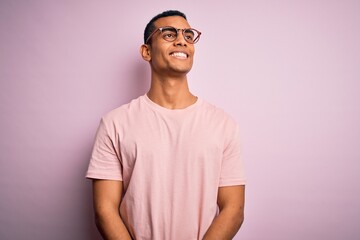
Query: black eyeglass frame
[{"x": 177, "y": 34}]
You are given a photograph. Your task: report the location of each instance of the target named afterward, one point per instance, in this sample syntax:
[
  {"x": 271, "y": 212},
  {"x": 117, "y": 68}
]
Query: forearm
[
  {"x": 111, "y": 226},
  {"x": 225, "y": 225}
]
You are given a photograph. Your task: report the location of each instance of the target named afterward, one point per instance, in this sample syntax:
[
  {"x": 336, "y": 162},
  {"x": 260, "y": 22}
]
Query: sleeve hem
[
  {"x": 103, "y": 176},
  {"x": 232, "y": 182}
]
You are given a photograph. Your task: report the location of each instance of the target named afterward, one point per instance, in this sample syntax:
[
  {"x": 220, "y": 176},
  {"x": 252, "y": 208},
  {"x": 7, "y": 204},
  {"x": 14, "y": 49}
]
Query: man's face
[{"x": 172, "y": 58}]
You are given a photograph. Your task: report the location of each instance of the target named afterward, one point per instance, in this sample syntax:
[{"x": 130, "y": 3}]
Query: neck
[{"x": 171, "y": 93}]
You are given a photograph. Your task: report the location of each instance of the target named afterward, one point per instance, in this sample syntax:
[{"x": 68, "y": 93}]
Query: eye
[
  {"x": 189, "y": 35},
  {"x": 169, "y": 35}
]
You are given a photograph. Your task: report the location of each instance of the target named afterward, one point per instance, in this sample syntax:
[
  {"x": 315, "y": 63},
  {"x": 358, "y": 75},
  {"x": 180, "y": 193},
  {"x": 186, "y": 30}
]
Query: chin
[{"x": 181, "y": 69}]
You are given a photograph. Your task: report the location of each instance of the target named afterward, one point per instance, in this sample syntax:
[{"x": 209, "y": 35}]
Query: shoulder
[
  {"x": 217, "y": 114},
  {"x": 120, "y": 112},
  {"x": 124, "y": 114}
]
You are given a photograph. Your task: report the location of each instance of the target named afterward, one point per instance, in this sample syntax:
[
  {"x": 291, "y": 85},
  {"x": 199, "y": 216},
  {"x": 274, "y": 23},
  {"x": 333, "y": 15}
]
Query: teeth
[{"x": 179, "y": 54}]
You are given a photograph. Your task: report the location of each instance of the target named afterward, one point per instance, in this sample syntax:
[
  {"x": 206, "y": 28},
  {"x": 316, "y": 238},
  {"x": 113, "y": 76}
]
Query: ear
[{"x": 145, "y": 51}]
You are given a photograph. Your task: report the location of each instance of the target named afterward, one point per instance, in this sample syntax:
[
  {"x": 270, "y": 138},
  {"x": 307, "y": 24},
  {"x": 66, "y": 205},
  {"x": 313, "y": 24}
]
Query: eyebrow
[
  {"x": 189, "y": 31},
  {"x": 169, "y": 28}
]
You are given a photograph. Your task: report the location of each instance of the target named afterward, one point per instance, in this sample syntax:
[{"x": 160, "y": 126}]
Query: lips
[{"x": 180, "y": 55}]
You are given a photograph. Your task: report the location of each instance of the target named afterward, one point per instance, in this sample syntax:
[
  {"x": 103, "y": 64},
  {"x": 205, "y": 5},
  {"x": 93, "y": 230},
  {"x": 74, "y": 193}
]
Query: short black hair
[{"x": 150, "y": 27}]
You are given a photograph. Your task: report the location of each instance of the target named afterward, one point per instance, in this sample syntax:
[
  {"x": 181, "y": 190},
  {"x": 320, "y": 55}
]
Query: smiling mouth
[{"x": 180, "y": 55}]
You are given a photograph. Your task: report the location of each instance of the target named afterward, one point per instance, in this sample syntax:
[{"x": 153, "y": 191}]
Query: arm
[
  {"x": 107, "y": 196},
  {"x": 231, "y": 205}
]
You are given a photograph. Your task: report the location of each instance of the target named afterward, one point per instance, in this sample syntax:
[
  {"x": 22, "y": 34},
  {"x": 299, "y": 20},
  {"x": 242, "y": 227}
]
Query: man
[{"x": 167, "y": 165}]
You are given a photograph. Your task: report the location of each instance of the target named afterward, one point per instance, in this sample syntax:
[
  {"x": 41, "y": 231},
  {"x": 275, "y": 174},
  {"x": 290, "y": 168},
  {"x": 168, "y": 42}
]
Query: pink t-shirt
[{"x": 171, "y": 163}]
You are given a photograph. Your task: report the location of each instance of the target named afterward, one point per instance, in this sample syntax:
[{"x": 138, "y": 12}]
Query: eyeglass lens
[{"x": 171, "y": 33}]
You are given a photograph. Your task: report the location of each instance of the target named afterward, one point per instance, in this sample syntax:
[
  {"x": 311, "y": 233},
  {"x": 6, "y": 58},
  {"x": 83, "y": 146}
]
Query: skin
[
  {"x": 231, "y": 215},
  {"x": 169, "y": 89},
  {"x": 107, "y": 198},
  {"x": 169, "y": 85}
]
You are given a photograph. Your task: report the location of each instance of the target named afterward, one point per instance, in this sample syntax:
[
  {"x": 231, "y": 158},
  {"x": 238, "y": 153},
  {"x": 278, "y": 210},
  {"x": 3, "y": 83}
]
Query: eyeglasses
[{"x": 170, "y": 34}]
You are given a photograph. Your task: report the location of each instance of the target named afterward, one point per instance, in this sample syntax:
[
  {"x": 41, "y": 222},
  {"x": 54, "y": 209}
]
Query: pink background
[{"x": 288, "y": 71}]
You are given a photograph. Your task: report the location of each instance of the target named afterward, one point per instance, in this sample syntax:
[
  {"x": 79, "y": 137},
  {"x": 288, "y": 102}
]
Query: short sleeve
[
  {"x": 232, "y": 167},
  {"x": 105, "y": 161}
]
